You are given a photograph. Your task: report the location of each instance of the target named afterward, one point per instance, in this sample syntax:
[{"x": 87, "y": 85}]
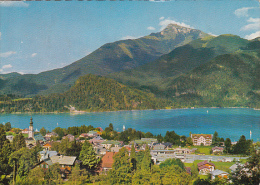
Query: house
[
  {"x": 45, "y": 154},
  {"x": 69, "y": 136},
  {"x": 66, "y": 163},
  {"x": 201, "y": 139},
  {"x": 25, "y": 131},
  {"x": 47, "y": 145},
  {"x": 83, "y": 135},
  {"x": 109, "y": 143},
  {"x": 107, "y": 161},
  {"x": 167, "y": 145},
  {"x": 181, "y": 150},
  {"x": 115, "y": 149},
  {"x": 10, "y": 138},
  {"x": 51, "y": 134},
  {"x": 96, "y": 140},
  {"x": 149, "y": 140},
  {"x": 159, "y": 146},
  {"x": 217, "y": 150},
  {"x": 218, "y": 173},
  {"x": 205, "y": 167},
  {"x": 92, "y": 133},
  {"x": 100, "y": 150}
]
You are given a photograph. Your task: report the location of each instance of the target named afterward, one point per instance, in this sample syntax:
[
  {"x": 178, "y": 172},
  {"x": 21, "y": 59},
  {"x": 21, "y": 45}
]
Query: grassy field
[
  {"x": 14, "y": 134},
  {"x": 202, "y": 149}
]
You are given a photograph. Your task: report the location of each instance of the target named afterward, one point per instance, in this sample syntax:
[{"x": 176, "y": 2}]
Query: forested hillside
[
  {"x": 156, "y": 75},
  {"x": 90, "y": 93}
]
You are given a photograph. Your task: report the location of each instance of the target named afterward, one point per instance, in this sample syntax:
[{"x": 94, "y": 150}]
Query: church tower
[{"x": 31, "y": 132}]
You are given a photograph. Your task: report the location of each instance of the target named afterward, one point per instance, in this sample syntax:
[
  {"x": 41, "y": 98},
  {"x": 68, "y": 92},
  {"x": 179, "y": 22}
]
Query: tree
[
  {"x": 133, "y": 157},
  {"x": 215, "y": 139},
  {"x": 202, "y": 182},
  {"x": 227, "y": 145},
  {"x": 121, "y": 172},
  {"x": 74, "y": 149},
  {"x": 242, "y": 146},
  {"x": 22, "y": 161},
  {"x": 110, "y": 128},
  {"x": 174, "y": 175},
  {"x": 88, "y": 156},
  {"x": 52, "y": 175},
  {"x": 8, "y": 126},
  {"x": 43, "y": 131},
  {"x": 170, "y": 162},
  {"x": 18, "y": 142},
  {"x": 250, "y": 173},
  {"x": 78, "y": 176},
  {"x": 59, "y": 131},
  {"x": 146, "y": 161},
  {"x": 172, "y": 137},
  {"x": 36, "y": 176},
  {"x": 189, "y": 141},
  {"x": 5, "y": 152}
]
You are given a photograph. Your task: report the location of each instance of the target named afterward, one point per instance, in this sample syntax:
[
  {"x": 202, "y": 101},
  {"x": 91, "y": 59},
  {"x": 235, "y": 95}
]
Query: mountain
[
  {"x": 90, "y": 93},
  {"x": 156, "y": 75},
  {"x": 230, "y": 80},
  {"x": 109, "y": 58}
]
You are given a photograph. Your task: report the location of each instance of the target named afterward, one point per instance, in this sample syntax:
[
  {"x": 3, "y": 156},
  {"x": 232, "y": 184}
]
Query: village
[{"x": 210, "y": 161}]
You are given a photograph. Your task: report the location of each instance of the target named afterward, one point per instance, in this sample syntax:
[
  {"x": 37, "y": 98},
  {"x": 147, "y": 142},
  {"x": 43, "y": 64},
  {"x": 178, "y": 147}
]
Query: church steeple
[
  {"x": 31, "y": 122},
  {"x": 31, "y": 131}
]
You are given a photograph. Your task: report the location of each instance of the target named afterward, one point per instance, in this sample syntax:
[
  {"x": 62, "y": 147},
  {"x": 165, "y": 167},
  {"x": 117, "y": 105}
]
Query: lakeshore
[{"x": 229, "y": 122}]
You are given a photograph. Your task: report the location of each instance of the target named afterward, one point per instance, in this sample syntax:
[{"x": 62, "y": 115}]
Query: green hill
[
  {"x": 156, "y": 75},
  {"x": 109, "y": 58},
  {"x": 230, "y": 80},
  {"x": 90, "y": 93}
]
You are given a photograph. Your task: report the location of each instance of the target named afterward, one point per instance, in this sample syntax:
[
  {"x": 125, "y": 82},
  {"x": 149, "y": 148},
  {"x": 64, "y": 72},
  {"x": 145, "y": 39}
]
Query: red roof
[
  {"x": 204, "y": 163},
  {"x": 107, "y": 160}
]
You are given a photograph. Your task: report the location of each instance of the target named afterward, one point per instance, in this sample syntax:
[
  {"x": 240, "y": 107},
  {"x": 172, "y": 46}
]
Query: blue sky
[{"x": 39, "y": 36}]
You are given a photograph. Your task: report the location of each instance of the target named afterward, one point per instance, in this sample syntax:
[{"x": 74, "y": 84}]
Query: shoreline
[{"x": 84, "y": 112}]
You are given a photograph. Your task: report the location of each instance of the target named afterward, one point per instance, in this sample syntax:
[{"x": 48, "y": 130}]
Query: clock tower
[{"x": 31, "y": 132}]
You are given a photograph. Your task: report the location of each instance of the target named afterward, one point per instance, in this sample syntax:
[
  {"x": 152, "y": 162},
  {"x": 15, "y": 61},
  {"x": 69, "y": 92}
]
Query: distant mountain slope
[
  {"x": 90, "y": 93},
  {"x": 111, "y": 57},
  {"x": 156, "y": 75},
  {"x": 229, "y": 80}
]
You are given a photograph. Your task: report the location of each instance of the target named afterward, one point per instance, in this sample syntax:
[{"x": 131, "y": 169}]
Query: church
[{"x": 33, "y": 137}]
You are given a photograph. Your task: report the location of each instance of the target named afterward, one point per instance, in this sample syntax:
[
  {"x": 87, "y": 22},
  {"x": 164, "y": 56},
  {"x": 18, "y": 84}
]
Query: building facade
[{"x": 201, "y": 139}]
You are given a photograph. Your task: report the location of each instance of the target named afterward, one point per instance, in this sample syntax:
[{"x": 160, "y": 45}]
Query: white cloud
[
  {"x": 253, "y": 35},
  {"x": 7, "y": 54},
  {"x": 150, "y": 28},
  {"x": 13, "y": 4},
  {"x": 254, "y": 24},
  {"x": 34, "y": 54},
  {"x": 164, "y": 23},
  {"x": 243, "y": 12},
  {"x": 161, "y": 18},
  {"x": 128, "y": 37},
  {"x": 7, "y": 66}
]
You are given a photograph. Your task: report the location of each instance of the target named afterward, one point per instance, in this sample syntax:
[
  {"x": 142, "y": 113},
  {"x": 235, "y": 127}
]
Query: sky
[{"x": 38, "y": 36}]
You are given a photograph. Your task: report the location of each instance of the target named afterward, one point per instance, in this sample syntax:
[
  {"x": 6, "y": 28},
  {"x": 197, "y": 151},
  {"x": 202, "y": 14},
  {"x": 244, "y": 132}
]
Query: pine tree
[
  {"x": 88, "y": 156},
  {"x": 133, "y": 157}
]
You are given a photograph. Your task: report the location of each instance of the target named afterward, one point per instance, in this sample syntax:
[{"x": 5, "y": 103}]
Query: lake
[{"x": 228, "y": 122}]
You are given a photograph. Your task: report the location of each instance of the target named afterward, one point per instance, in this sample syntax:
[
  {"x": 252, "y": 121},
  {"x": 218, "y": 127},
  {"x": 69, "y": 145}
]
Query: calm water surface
[{"x": 228, "y": 122}]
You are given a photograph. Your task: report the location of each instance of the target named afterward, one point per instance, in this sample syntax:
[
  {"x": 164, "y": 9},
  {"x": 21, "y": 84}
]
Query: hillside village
[{"x": 204, "y": 157}]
